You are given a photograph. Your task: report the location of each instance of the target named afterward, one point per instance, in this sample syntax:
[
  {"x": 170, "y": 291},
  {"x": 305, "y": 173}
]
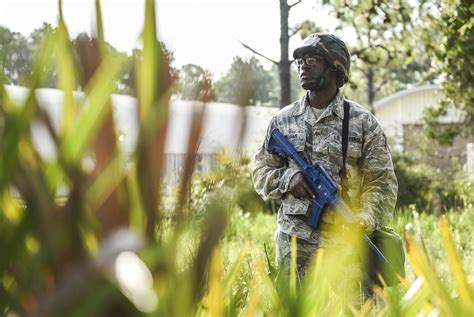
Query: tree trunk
[
  {"x": 370, "y": 89},
  {"x": 284, "y": 64}
]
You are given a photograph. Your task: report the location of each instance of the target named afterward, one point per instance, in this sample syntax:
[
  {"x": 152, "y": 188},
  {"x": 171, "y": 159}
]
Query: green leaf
[{"x": 96, "y": 106}]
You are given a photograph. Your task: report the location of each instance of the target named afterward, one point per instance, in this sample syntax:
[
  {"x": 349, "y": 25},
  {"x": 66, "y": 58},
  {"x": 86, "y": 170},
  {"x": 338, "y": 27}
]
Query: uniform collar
[{"x": 335, "y": 107}]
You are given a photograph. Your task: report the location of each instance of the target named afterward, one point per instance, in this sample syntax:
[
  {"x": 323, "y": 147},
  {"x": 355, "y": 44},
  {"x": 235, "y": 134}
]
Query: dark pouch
[{"x": 391, "y": 245}]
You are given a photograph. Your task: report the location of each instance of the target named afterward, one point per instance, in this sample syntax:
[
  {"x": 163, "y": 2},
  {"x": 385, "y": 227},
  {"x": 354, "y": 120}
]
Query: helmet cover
[{"x": 331, "y": 48}]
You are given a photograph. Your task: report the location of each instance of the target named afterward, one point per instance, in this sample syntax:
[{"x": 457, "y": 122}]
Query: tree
[
  {"x": 385, "y": 44},
  {"x": 15, "y": 56},
  {"x": 38, "y": 34},
  {"x": 34, "y": 41},
  {"x": 284, "y": 63},
  {"x": 295, "y": 87},
  {"x": 455, "y": 57},
  {"x": 193, "y": 81},
  {"x": 246, "y": 83},
  {"x": 86, "y": 45},
  {"x": 127, "y": 82},
  {"x": 17, "y": 53},
  {"x": 6, "y": 38}
]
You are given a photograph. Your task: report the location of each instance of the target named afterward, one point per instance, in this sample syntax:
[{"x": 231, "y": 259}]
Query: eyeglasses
[{"x": 310, "y": 60}]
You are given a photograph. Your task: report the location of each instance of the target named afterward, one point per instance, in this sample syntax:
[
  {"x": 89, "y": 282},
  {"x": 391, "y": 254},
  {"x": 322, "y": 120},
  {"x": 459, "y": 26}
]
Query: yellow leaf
[
  {"x": 455, "y": 263},
  {"x": 214, "y": 297}
]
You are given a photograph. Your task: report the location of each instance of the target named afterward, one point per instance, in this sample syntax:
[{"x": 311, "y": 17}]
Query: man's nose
[{"x": 304, "y": 66}]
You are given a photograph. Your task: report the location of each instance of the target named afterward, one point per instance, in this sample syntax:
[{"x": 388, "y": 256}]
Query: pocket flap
[
  {"x": 294, "y": 206},
  {"x": 298, "y": 140},
  {"x": 354, "y": 149}
]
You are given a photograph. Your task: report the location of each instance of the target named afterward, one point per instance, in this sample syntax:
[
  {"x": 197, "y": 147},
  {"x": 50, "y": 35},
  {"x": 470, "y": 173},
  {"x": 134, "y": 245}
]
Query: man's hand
[{"x": 299, "y": 187}]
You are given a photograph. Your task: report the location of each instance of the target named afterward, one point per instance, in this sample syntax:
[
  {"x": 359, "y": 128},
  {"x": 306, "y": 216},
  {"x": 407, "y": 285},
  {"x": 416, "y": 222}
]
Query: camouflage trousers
[{"x": 304, "y": 253}]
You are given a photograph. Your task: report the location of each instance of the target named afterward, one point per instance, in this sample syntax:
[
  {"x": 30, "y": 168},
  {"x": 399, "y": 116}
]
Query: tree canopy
[
  {"x": 15, "y": 56},
  {"x": 386, "y": 55},
  {"x": 193, "y": 82},
  {"x": 246, "y": 83},
  {"x": 398, "y": 44},
  {"x": 455, "y": 59}
]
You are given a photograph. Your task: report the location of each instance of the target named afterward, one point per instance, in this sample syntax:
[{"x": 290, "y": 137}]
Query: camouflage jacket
[{"x": 372, "y": 185}]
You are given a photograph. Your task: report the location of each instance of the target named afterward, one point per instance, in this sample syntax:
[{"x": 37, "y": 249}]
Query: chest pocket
[
  {"x": 353, "y": 157},
  {"x": 354, "y": 153},
  {"x": 298, "y": 140}
]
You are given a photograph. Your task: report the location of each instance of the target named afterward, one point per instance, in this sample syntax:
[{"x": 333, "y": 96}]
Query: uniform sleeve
[
  {"x": 271, "y": 174},
  {"x": 379, "y": 183}
]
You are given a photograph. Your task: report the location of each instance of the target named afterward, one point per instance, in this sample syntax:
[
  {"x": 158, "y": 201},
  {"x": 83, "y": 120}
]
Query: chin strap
[{"x": 318, "y": 82}]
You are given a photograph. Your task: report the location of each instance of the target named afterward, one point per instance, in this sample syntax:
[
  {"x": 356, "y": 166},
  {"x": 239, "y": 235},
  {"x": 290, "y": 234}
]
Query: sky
[{"x": 203, "y": 32}]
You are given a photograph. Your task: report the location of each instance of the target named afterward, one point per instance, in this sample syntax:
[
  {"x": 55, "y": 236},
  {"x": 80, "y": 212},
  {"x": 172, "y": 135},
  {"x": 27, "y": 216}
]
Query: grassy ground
[{"x": 254, "y": 232}]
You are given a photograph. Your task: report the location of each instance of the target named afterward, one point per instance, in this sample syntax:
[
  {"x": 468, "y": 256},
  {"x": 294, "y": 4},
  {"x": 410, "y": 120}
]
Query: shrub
[
  {"x": 232, "y": 173},
  {"x": 431, "y": 190}
]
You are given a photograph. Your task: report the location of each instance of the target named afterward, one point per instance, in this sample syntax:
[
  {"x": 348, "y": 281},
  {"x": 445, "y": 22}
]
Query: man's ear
[{"x": 339, "y": 79}]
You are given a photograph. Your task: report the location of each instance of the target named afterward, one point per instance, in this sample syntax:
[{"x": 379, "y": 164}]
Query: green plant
[
  {"x": 73, "y": 255},
  {"x": 232, "y": 174},
  {"x": 431, "y": 190}
]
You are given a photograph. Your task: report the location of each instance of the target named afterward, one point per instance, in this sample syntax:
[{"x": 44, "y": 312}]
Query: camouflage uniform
[{"x": 372, "y": 185}]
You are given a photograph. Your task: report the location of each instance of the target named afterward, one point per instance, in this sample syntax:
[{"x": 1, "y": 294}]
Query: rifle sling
[{"x": 345, "y": 141}]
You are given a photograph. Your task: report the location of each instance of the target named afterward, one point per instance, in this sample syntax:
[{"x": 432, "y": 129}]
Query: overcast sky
[{"x": 204, "y": 32}]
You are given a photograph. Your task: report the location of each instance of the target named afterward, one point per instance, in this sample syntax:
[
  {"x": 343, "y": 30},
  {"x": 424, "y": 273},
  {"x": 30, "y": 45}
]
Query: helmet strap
[{"x": 318, "y": 82}]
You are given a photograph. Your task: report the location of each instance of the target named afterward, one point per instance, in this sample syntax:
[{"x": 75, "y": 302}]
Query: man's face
[{"x": 310, "y": 68}]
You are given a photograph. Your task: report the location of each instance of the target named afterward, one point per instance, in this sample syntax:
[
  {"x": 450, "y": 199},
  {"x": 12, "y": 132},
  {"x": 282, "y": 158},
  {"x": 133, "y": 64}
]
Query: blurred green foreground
[{"x": 121, "y": 243}]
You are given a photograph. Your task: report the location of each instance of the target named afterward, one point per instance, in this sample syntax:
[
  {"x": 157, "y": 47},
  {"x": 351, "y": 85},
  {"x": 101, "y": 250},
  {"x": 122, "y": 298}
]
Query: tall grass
[
  {"x": 77, "y": 256},
  {"x": 115, "y": 246}
]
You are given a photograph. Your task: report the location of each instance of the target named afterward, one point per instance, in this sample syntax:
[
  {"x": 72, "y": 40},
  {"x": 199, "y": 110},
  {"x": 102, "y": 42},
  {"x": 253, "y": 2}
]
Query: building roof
[{"x": 403, "y": 93}]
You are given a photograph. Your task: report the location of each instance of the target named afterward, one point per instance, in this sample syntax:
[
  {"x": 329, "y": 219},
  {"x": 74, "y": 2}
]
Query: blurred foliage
[
  {"x": 16, "y": 54},
  {"x": 264, "y": 84},
  {"x": 425, "y": 227},
  {"x": 388, "y": 55},
  {"x": 192, "y": 80},
  {"x": 77, "y": 255},
  {"x": 429, "y": 189},
  {"x": 126, "y": 84},
  {"x": 296, "y": 91},
  {"x": 246, "y": 83},
  {"x": 454, "y": 56},
  {"x": 218, "y": 181},
  {"x": 251, "y": 235},
  {"x": 414, "y": 183},
  {"x": 305, "y": 28}
]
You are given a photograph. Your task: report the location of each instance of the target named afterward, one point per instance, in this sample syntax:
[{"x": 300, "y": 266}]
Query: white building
[
  {"x": 225, "y": 126},
  {"x": 402, "y": 108},
  {"x": 401, "y": 116}
]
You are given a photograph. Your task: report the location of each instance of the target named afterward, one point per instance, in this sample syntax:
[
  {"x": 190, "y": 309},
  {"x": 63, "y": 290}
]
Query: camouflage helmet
[{"x": 331, "y": 48}]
